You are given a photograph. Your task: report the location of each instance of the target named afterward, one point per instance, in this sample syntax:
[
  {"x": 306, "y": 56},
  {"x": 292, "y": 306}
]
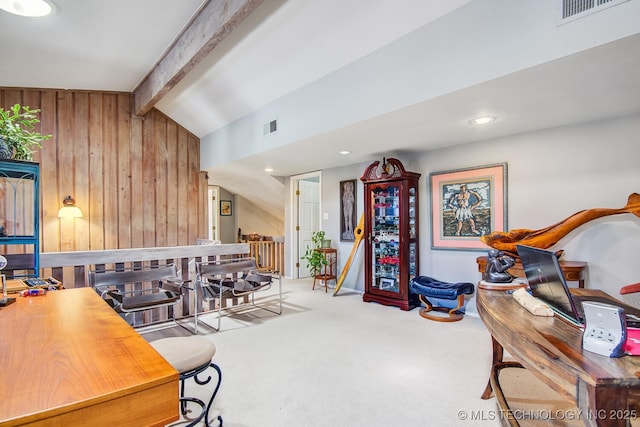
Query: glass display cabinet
[
  {"x": 390, "y": 233},
  {"x": 20, "y": 217}
]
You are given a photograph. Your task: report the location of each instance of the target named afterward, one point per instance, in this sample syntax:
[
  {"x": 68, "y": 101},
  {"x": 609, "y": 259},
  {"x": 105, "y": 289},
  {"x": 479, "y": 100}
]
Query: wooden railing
[{"x": 268, "y": 254}]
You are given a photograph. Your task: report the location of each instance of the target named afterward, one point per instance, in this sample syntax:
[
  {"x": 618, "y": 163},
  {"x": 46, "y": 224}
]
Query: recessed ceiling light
[
  {"x": 268, "y": 170},
  {"x": 30, "y": 8},
  {"x": 344, "y": 152},
  {"x": 482, "y": 120}
]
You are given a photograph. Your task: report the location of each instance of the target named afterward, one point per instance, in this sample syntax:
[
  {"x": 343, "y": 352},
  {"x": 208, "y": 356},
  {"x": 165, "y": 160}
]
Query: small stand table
[
  {"x": 329, "y": 270},
  {"x": 573, "y": 270}
]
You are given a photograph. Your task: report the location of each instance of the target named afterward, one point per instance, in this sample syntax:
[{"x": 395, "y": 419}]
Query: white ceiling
[
  {"x": 90, "y": 44},
  {"x": 286, "y": 44}
]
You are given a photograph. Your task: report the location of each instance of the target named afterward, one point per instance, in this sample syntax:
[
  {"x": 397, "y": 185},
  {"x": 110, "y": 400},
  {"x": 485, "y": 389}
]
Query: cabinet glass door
[
  {"x": 412, "y": 213},
  {"x": 17, "y": 208},
  {"x": 385, "y": 238},
  {"x": 20, "y": 217},
  {"x": 412, "y": 231}
]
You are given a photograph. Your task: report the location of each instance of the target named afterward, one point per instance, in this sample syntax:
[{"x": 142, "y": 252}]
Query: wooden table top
[
  {"x": 552, "y": 348},
  {"x": 68, "y": 350}
]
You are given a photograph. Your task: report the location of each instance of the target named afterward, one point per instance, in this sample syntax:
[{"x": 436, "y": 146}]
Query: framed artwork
[
  {"x": 225, "y": 208},
  {"x": 467, "y": 204},
  {"x": 348, "y": 210},
  {"x": 387, "y": 284}
]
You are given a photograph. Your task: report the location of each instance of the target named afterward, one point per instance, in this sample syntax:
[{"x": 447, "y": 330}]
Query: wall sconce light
[{"x": 69, "y": 210}]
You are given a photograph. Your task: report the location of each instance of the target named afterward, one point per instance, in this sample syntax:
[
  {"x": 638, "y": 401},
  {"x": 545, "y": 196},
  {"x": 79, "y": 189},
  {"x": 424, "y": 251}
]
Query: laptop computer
[{"x": 547, "y": 283}]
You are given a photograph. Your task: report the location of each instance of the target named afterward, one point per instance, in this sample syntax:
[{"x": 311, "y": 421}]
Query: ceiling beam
[{"x": 211, "y": 25}]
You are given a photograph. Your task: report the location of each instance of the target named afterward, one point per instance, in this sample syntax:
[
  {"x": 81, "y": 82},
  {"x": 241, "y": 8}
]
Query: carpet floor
[{"x": 337, "y": 361}]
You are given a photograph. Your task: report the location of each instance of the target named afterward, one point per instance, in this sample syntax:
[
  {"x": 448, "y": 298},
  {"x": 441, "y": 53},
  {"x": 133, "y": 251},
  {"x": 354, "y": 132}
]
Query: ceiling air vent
[
  {"x": 271, "y": 127},
  {"x": 573, "y": 9}
]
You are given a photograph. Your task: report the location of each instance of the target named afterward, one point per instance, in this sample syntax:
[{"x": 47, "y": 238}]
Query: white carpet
[{"x": 337, "y": 361}]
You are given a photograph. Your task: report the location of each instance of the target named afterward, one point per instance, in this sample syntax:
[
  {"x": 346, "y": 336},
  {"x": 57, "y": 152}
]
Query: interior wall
[
  {"x": 428, "y": 63},
  {"x": 332, "y": 216},
  {"x": 252, "y": 219},
  {"x": 552, "y": 174},
  {"x": 136, "y": 179},
  {"x": 228, "y": 224}
]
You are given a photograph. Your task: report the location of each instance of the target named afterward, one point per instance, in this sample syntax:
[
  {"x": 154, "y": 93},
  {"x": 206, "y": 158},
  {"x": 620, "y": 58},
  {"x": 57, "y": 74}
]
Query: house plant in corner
[
  {"x": 315, "y": 259},
  {"x": 17, "y": 135}
]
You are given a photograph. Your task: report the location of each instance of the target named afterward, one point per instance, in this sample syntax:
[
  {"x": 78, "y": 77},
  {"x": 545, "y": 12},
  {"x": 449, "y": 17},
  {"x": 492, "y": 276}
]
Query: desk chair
[{"x": 136, "y": 290}]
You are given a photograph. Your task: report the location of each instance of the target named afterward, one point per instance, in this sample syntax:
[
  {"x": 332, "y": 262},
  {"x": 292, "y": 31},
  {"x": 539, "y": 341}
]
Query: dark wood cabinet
[{"x": 390, "y": 233}]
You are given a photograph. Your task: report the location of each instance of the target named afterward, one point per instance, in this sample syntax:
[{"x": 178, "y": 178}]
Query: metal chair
[
  {"x": 139, "y": 289},
  {"x": 233, "y": 278}
]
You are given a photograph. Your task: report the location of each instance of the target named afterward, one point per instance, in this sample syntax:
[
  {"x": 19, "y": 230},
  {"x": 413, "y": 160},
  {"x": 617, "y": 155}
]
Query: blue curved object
[{"x": 430, "y": 287}]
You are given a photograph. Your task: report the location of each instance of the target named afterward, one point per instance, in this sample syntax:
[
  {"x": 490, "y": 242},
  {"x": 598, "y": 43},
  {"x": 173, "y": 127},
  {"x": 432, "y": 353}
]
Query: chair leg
[
  {"x": 247, "y": 298},
  {"x": 454, "y": 314}
]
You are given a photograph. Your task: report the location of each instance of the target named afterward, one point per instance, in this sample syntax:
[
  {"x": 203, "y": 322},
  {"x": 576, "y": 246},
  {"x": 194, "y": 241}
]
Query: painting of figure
[
  {"x": 466, "y": 211},
  {"x": 348, "y": 210},
  {"x": 467, "y": 204}
]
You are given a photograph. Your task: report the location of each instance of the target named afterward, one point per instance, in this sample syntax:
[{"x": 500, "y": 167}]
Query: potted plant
[
  {"x": 315, "y": 259},
  {"x": 17, "y": 138}
]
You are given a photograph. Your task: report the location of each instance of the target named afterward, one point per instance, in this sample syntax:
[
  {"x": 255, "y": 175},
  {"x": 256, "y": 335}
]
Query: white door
[{"x": 308, "y": 217}]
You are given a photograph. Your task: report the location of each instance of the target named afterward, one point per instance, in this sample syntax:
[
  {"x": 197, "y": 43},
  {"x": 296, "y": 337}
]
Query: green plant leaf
[{"x": 17, "y": 126}]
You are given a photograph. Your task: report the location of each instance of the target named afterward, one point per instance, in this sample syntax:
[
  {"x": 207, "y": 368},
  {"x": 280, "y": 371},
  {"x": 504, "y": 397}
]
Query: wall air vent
[
  {"x": 271, "y": 127},
  {"x": 573, "y": 9}
]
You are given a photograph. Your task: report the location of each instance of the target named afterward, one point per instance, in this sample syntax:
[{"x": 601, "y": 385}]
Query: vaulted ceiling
[{"x": 206, "y": 64}]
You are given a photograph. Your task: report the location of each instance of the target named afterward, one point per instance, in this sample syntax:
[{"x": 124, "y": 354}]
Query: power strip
[{"x": 605, "y": 331}]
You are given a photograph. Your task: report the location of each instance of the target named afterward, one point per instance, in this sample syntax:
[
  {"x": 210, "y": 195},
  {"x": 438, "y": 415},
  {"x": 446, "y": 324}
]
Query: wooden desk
[
  {"x": 603, "y": 388},
  {"x": 573, "y": 271},
  {"x": 67, "y": 359}
]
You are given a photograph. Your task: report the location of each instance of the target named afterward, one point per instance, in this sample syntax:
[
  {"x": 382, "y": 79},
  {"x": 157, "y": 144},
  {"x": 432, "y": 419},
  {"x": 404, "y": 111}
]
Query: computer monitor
[{"x": 546, "y": 281}]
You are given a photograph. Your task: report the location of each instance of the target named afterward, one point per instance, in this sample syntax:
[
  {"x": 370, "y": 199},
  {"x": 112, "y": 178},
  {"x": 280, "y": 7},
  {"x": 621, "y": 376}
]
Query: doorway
[{"x": 307, "y": 190}]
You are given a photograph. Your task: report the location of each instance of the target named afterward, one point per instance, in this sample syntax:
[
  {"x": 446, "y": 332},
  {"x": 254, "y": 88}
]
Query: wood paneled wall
[{"x": 136, "y": 179}]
